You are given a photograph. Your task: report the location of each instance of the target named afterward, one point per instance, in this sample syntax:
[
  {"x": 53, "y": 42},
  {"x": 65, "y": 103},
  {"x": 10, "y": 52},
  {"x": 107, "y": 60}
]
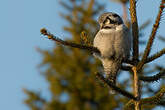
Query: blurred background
[{"x": 39, "y": 75}]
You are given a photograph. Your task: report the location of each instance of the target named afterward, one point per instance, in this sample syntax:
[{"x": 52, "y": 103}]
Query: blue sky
[{"x": 20, "y": 24}]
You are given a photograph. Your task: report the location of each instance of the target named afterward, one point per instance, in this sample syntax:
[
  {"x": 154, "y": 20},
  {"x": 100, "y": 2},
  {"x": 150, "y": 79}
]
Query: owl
[{"x": 113, "y": 40}]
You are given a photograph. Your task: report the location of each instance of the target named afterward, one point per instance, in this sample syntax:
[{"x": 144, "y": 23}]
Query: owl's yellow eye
[{"x": 107, "y": 21}]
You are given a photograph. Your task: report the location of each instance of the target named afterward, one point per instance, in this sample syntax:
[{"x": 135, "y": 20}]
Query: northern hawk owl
[{"x": 113, "y": 40}]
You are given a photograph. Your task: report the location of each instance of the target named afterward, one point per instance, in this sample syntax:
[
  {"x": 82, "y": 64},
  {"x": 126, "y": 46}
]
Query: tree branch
[
  {"x": 155, "y": 56},
  {"x": 115, "y": 88},
  {"x": 135, "y": 31},
  {"x": 152, "y": 78},
  {"x": 136, "y": 88},
  {"x": 70, "y": 44},
  {"x": 154, "y": 99},
  {"x": 152, "y": 36}
]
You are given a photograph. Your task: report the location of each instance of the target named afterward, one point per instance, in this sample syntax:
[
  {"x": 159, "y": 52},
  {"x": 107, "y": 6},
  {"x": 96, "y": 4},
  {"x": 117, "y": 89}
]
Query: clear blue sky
[{"x": 20, "y": 24}]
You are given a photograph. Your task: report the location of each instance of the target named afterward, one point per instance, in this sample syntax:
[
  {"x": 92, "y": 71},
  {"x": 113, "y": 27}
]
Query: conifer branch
[
  {"x": 152, "y": 36},
  {"x": 115, "y": 88},
  {"x": 155, "y": 56},
  {"x": 152, "y": 78},
  {"x": 70, "y": 44},
  {"x": 135, "y": 31},
  {"x": 156, "y": 99}
]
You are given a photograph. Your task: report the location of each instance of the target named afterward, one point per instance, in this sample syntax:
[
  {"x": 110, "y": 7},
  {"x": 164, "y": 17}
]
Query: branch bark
[
  {"x": 135, "y": 31},
  {"x": 136, "y": 88},
  {"x": 135, "y": 34}
]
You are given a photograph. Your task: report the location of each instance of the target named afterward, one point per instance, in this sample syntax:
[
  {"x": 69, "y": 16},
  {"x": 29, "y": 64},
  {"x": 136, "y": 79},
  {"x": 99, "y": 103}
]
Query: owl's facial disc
[{"x": 109, "y": 21}]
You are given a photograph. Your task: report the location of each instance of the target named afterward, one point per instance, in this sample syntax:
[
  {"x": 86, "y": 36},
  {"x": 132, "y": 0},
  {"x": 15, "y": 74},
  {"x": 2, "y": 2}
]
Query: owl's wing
[{"x": 128, "y": 40}]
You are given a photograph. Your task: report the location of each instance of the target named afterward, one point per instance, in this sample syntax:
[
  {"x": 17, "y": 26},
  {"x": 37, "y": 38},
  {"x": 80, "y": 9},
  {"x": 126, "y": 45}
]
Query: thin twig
[
  {"x": 145, "y": 24},
  {"x": 115, "y": 88},
  {"x": 154, "y": 99},
  {"x": 135, "y": 32},
  {"x": 152, "y": 78},
  {"x": 155, "y": 56},
  {"x": 152, "y": 36},
  {"x": 70, "y": 44}
]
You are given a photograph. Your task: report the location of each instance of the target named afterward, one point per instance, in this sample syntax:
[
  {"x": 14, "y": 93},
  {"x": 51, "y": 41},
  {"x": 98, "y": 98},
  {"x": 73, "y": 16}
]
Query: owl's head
[{"x": 109, "y": 20}]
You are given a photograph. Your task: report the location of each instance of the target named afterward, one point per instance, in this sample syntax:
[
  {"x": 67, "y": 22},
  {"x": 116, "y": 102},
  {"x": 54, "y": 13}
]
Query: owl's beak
[{"x": 106, "y": 26}]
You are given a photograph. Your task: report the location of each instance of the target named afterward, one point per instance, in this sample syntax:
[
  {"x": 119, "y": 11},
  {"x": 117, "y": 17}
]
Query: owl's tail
[{"x": 111, "y": 68}]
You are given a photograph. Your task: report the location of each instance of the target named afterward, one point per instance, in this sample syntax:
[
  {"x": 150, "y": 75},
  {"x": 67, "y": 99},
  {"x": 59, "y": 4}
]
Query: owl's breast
[
  {"x": 105, "y": 43},
  {"x": 112, "y": 43}
]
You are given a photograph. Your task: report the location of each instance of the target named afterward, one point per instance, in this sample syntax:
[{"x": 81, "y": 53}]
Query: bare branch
[
  {"x": 155, "y": 56},
  {"x": 115, "y": 88},
  {"x": 135, "y": 31},
  {"x": 162, "y": 38},
  {"x": 152, "y": 36},
  {"x": 145, "y": 24},
  {"x": 156, "y": 99},
  {"x": 152, "y": 78},
  {"x": 70, "y": 44}
]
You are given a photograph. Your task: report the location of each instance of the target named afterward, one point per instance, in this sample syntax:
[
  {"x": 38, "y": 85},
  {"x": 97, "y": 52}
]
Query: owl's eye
[
  {"x": 111, "y": 21},
  {"x": 106, "y": 21}
]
